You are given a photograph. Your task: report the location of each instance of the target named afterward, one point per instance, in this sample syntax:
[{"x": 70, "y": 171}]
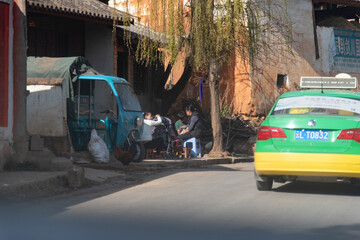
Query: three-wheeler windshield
[{"x": 127, "y": 97}]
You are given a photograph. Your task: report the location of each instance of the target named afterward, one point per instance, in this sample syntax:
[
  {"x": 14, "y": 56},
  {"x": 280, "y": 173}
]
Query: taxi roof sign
[{"x": 341, "y": 81}]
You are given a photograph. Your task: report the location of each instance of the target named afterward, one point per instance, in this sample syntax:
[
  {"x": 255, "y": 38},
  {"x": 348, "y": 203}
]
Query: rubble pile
[{"x": 239, "y": 135}]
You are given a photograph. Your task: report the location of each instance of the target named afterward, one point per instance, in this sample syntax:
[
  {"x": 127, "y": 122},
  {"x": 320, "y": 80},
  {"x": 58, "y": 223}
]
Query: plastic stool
[{"x": 194, "y": 144}]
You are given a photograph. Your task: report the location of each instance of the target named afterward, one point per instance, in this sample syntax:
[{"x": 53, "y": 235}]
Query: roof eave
[{"x": 121, "y": 17}]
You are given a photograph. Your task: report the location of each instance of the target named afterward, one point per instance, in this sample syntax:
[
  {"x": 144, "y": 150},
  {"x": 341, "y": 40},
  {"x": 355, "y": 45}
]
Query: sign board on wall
[
  {"x": 329, "y": 82},
  {"x": 347, "y": 51}
]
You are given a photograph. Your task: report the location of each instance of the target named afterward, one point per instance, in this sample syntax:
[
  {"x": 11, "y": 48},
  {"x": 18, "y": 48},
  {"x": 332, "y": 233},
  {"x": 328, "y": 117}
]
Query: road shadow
[
  {"x": 128, "y": 179},
  {"x": 35, "y": 218},
  {"x": 320, "y": 188}
]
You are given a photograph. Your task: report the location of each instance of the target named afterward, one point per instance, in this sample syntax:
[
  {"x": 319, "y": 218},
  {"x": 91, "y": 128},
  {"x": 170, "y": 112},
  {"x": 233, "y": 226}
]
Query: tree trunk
[{"x": 214, "y": 78}]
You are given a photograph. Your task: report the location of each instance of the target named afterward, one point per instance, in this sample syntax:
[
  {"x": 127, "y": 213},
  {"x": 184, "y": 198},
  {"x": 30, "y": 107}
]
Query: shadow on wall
[{"x": 150, "y": 104}]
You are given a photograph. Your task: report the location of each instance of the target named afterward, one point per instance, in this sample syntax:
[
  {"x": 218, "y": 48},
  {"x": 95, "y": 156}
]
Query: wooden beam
[
  {"x": 44, "y": 81},
  {"x": 349, "y": 3},
  {"x": 347, "y": 12}
]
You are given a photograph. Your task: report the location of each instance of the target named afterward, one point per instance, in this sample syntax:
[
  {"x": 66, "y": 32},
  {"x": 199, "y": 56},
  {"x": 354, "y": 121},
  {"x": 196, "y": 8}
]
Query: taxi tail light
[
  {"x": 350, "y": 134},
  {"x": 265, "y": 133}
]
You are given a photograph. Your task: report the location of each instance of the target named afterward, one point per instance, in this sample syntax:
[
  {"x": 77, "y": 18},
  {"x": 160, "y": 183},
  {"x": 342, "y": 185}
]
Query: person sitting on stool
[
  {"x": 195, "y": 126},
  {"x": 180, "y": 124}
]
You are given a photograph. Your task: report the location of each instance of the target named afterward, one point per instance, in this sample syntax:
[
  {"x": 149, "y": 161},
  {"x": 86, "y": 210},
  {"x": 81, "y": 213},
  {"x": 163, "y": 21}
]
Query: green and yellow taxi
[{"x": 310, "y": 135}]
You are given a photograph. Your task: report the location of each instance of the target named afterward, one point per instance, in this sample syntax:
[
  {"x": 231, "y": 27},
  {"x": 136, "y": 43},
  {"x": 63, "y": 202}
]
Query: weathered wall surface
[
  {"x": 46, "y": 110},
  {"x": 301, "y": 61},
  {"x": 177, "y": 68},
  {"x": 242, "y": 96},
  {"x": 99, "y": 47}
]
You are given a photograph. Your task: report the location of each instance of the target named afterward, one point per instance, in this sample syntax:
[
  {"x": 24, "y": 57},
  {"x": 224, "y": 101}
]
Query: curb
[
  {"x": 20, "y": 185},
  {"x": 157, "y": 164}
]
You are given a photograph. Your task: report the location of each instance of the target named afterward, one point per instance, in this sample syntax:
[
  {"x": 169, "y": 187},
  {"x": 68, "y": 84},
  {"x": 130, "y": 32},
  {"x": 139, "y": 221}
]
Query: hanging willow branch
[{"x": 211, "y": 29}]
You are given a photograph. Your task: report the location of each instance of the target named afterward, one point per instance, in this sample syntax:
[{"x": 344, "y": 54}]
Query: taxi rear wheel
[{"x": 264, "y": 185}]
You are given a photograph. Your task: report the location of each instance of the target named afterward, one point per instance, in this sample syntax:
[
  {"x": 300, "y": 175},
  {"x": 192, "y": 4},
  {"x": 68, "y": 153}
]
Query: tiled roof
[
  {"x": 86, "y": 8},
  {"x": 143, "y": 30}
]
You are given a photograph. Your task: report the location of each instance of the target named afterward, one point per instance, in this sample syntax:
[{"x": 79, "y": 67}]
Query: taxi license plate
[{"x": 314, "y": 135}]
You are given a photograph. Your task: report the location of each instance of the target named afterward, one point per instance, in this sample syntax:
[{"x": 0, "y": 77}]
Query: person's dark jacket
[{"x": 196, "y": 125}]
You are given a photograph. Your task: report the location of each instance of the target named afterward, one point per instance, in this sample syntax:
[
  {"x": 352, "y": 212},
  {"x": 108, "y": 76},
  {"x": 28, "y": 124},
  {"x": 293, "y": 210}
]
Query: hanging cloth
[{"x": 201, "y": 88}]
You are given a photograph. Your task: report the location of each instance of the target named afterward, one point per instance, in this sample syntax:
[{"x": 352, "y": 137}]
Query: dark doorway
[{"x": 281, "y": 80}]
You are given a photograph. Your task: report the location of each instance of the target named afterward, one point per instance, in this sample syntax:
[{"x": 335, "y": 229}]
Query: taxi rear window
[{"x": 319, "y": 105}]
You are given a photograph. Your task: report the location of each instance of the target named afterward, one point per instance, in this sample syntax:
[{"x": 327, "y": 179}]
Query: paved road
[{"x": 217, "y": 202}]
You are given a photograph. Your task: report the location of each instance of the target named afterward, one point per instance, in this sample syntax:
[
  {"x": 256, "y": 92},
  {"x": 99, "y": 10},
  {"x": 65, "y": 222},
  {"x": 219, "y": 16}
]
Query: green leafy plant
[{"x": 225, "y": 110}]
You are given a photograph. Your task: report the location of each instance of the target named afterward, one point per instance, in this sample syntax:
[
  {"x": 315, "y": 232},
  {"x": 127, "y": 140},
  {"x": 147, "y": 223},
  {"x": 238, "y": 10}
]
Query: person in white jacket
[{"x": 149, "y": 126}]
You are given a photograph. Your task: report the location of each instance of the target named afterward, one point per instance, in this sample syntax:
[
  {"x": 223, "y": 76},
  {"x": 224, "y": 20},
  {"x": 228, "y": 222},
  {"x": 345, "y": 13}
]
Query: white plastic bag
[{"x": 98, "y": 148}]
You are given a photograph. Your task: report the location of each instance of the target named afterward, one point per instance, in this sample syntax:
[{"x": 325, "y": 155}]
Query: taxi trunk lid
[{"x": 313, "y": 133}]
